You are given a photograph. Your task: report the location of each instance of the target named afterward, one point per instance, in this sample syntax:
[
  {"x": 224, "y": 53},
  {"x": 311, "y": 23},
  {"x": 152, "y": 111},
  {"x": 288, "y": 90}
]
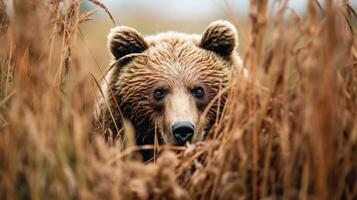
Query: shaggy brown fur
[{"x": 177, "y": 63}]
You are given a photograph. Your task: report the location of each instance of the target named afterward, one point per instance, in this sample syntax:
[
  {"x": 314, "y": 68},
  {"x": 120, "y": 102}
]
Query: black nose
[{"x": 183, "y": 132}]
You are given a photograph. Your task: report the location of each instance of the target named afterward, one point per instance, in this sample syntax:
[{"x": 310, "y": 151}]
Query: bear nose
[{"x": 183, "y": 132}]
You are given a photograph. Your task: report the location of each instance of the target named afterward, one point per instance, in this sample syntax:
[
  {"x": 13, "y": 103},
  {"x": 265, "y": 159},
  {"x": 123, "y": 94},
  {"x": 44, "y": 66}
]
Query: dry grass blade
[
  {"x": 100, "y": 4},
  {"x": 4, "y": 18},
  {"x": 86, "y": 16}
]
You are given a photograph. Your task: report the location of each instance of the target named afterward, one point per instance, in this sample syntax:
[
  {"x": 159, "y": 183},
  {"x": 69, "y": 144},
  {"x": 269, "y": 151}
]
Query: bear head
[{"x": 173, "y": 84}]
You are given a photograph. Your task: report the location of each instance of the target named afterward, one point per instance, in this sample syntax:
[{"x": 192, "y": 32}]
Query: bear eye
[
  {"x": 198, "y": 92},
  {"x": 159, "y": 94}
]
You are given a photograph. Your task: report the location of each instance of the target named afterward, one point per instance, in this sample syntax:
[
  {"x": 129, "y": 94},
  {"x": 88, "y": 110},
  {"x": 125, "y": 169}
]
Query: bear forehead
[
  {"x": 181, "y": 51},
  {"x": 172, "y": 45},
  {"x": 177, "y": 60}
]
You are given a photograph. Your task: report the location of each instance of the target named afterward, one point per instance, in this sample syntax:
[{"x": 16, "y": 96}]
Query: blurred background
[{"x": 154, "y": 16}]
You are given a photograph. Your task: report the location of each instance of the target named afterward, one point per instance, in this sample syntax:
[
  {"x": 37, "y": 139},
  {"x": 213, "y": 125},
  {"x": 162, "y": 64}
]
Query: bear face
[{"x": 172, "y": 83}]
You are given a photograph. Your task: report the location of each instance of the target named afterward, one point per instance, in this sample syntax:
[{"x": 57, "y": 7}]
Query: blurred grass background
[{"x": 155, "y": 16}]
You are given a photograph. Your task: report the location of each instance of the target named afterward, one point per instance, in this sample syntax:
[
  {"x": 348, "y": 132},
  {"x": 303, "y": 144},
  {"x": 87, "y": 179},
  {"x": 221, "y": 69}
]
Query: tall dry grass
[{"x": 288, "y": 133}]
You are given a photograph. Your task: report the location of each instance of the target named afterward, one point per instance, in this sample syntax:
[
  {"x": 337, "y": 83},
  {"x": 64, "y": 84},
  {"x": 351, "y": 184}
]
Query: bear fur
[{"x": 170, "y": 66}]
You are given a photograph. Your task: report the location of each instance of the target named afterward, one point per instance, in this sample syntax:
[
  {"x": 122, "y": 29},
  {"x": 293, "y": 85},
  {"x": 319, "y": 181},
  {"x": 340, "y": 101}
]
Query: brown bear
[{"x": 172, "y": 84}]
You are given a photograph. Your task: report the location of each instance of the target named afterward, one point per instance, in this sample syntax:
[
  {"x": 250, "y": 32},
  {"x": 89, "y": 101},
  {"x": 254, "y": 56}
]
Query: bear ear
[
  {"x": 124, "y": 40},
  {"x": 220, "y": 37}
]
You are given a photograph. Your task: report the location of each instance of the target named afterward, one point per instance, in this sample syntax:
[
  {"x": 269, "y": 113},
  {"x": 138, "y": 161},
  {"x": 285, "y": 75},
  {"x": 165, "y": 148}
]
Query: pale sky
[
  {"x": 190, "y": 8},
  {"x": 152, "y": 16},
  {"x": 186, "y": 8}
]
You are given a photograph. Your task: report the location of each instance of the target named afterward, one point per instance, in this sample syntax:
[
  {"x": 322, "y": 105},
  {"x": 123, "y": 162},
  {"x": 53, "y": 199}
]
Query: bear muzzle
[{"x": 182, "y": 132}]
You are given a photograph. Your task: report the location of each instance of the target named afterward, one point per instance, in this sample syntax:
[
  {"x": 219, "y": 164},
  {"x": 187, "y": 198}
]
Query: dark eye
[
  {"x": 159, "y": 94},
  {"x": 198, "y": 92}
]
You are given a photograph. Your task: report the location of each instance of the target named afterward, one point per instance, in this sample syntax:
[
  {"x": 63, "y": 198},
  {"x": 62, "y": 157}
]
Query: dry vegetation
[{"x": 293, "y": 136}]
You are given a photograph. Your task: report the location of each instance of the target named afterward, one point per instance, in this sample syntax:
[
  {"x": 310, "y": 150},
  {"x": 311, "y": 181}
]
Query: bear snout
[{"x": 182, "y": 132}]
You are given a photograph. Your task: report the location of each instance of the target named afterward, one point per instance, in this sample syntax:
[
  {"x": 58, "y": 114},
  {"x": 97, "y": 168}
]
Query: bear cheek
[
  {"x": 201, "y": 128},
  {"x": 208, "y": 111},
  {"x": 165, "y": 134},
  {"x": 159, "y": 121},
  {"x": 165, "y": 130}
]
